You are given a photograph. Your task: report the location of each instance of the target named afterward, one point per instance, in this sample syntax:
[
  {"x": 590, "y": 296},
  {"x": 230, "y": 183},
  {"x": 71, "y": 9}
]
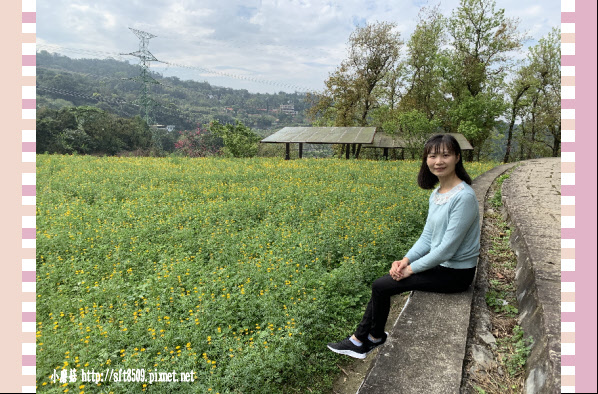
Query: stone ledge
[{"x": 537, "y": 277}]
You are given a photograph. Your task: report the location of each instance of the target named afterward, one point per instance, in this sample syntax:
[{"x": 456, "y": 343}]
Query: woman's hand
[
  {"x": 406, "y": 272},
  {"x": 398, "y": 269}
]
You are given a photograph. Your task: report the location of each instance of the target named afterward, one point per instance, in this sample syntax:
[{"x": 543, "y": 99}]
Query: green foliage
[
  {"x": 89, "y": 130},
  {"x": 475, "y": 117},
  {"x": 239, "y": 140},
  {"x": 519, "y": 348},
  {"x": 423, "y": 65},
  {"x": 496, "y": 199},
  {"x": 497, "y": 300},
  {"x": 240, "y": 270},
  {"x": 198, "y": 143},
  {"x": 415, "y": 128}
]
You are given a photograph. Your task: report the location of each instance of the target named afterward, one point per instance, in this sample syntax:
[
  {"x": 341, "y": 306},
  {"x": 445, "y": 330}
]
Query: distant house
[
  {"x": 288, "y": 109},
  {"x": 168, "y": 128}
]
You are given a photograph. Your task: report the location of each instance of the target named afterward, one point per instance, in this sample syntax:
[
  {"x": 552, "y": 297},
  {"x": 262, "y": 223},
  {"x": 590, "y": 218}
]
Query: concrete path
[
  {"x": 426, "y": 348},
  {"x": 532, "y": 199}
]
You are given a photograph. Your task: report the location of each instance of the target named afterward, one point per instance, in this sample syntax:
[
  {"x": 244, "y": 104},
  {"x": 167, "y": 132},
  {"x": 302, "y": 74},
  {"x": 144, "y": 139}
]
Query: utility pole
[{"x": 145, "y": 78}]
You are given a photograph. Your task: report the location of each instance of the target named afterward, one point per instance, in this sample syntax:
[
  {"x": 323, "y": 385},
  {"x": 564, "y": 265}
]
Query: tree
[
  {"x": 49, "y": 125},
  {"x": 89, "y": 130},
  {"x": 516, "y": 91},
  {"x": 373, "y": 52},
  {"x": 198, "y": 143},
  {"x": 135, "y": 133},
  {"x": 239, "y": 140},
  {"x": 349, "y": 95},
  {"x": 482, "y": 39},
  {"x": 99, "y": 126},
  {"x": 545, "y": 58},
  {"x": 417, "y": 113},
  {"x": 423, "y": 65},
  {"x": 415, "y": 128},
  {"x": 535, "y": 100}
]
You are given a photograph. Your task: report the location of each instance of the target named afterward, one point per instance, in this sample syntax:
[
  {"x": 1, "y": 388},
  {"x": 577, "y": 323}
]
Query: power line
[
  {"x": 53, "y": 47},
  {"x": 96, "y": 97},
  {"x": 101, "y": 78},
  {"x": 297, "y": 88},
  {"x": 163, "y": 109}
]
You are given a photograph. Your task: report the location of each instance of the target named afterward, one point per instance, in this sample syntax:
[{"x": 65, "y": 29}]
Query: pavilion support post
[
  {"x": 386, "y": 153},
  {"x": 301, "y": 150},
  {"x": 358, "y": 151},
  {"x": 288, "y": 151},
  {"x": 348, "y": 152}
]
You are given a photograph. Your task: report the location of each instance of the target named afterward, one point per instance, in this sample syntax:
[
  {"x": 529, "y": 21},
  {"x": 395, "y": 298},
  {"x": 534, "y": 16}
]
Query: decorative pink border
[
  {"x": 568, "y": 377},
  {"x": 578, "y": 245},
  {"x": 578, "y": 194},
  {"x": 28, "y": 228}
]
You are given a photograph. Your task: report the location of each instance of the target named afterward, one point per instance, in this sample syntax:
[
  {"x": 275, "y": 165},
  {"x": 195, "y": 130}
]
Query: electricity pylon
[{"x": 145, "y": 78}]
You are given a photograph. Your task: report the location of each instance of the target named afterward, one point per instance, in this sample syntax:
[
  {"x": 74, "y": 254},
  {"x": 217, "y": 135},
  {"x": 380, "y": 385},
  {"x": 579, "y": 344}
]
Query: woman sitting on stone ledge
[{"x": 443, "y": 259}]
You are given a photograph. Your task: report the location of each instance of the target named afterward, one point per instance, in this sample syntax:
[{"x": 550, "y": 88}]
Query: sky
[{"x": 264, "y": 46}]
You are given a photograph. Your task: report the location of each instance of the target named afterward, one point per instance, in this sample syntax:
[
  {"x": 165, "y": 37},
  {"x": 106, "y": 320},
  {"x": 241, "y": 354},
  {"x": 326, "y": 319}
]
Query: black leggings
[{"x": 438, "y": 279}]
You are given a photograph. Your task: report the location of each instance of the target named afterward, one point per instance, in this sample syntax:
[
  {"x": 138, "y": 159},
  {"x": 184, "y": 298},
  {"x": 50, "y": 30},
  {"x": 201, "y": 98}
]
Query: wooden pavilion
[{"x": 366, "y": 137}]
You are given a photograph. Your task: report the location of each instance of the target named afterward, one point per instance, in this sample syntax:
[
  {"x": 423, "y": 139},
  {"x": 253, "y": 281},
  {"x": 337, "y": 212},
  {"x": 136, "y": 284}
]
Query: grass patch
[
  {"x": 496, "y": 199},
  {"x": 497, "y": 301},
  {"x": 515, "y": 350}
]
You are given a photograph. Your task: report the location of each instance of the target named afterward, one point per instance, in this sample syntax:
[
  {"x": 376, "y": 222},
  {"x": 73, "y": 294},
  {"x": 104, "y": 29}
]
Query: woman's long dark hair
[{"x": 427, "y": 180}]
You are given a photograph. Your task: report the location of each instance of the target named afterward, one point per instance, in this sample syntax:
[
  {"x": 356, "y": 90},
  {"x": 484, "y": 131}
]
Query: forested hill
[{"x": 109, "y": 85}]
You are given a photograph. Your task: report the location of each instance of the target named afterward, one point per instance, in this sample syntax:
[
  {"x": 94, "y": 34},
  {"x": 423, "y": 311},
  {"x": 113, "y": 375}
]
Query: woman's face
[{"x": 442, "y": 163}]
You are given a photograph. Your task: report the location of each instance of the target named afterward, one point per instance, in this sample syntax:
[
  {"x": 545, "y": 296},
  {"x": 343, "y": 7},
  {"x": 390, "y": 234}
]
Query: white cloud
[{"x": 531, "y": 11}]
